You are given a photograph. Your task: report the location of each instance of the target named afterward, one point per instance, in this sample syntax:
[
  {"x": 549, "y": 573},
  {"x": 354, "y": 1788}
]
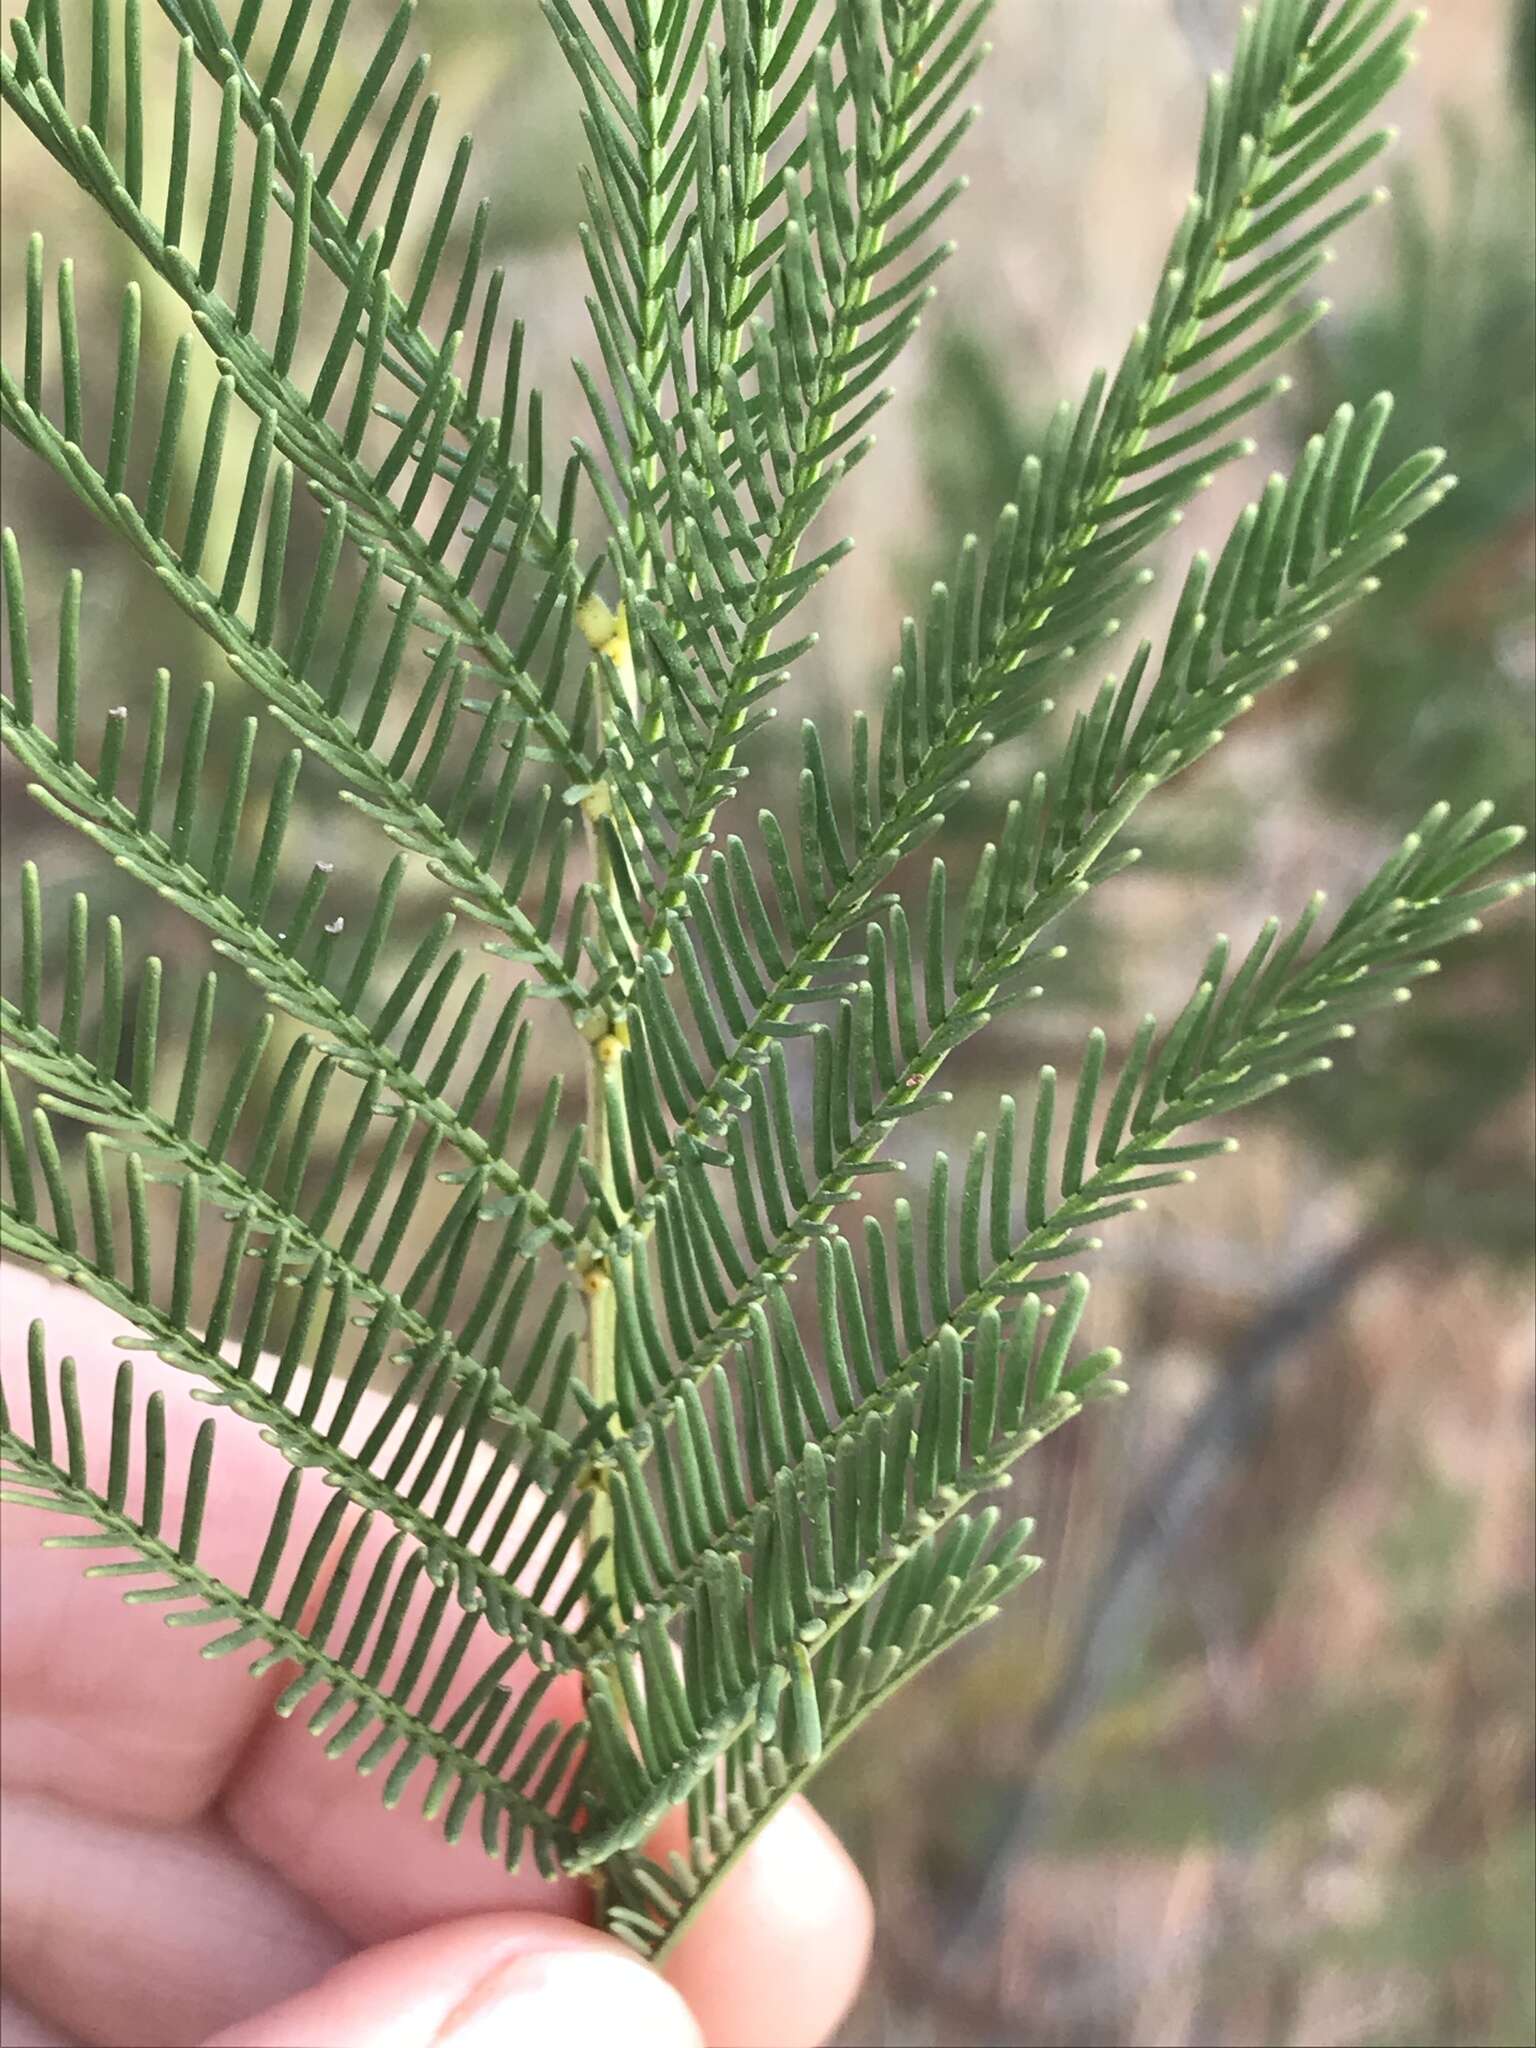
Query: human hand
[{"x": 179, "y": 1866}]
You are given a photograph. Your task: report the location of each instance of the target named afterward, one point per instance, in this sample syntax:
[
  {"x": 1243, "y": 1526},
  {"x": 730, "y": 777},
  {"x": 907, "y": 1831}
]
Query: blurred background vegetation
[{"x": 1252, "y": 1760}]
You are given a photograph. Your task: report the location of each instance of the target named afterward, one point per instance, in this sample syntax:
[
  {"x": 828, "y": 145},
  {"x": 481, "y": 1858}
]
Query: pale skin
[{"x": 180, "y": 1867}]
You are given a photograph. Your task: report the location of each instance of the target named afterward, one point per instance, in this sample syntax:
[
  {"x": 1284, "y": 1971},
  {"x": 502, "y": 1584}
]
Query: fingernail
[{"x": 570, "y": 1998}]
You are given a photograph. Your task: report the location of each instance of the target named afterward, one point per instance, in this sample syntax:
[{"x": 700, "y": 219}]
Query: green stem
[
  {"x": 607, "y": 1037},
  {"x": 602, "y": 1303}
]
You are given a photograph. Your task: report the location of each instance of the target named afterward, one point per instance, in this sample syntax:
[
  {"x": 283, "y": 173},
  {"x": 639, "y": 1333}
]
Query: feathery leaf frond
[
  {"x": 1294, "y": 560},
  {"x": 572, "y": 1581}
]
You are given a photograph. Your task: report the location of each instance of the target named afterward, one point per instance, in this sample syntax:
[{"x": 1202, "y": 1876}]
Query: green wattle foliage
[{"x": 558, "y": 1358}]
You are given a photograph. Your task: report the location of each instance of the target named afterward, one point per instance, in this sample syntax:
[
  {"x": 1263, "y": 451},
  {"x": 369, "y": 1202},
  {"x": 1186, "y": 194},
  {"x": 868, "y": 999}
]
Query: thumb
[{"x": 499, "y": 1979}]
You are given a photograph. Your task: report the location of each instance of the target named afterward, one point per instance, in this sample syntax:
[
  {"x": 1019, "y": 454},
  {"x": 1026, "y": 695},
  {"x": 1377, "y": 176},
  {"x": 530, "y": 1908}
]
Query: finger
[
  {"x": 776, "y": 1956},
  {"x": 379, "y": 1872},
  {"x": 482, "y": 1983},
  {"x": 20, "y": 2028},
  {"x": 99, "y": 1704},
  {"x": 124, "y": 1933},
  {"x": 115, "y": 1714}
]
